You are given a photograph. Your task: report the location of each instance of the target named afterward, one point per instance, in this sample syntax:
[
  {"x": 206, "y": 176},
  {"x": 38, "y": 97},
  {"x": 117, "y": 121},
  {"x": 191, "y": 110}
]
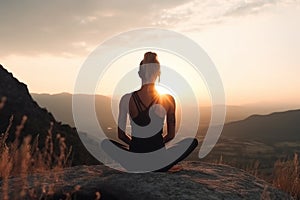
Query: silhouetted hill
[
  {"x": 279, "y": 126},
  {"x": 19, "y": 103}
]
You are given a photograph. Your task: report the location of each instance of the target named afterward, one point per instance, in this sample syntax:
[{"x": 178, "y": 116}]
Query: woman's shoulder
[
  {"x": 125, "y": 98},
  {"x": 167, "y": 98}
]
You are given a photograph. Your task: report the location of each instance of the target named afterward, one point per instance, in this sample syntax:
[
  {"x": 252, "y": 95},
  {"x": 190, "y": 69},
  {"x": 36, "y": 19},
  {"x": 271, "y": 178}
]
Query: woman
[{"x": 147, "y": 111}]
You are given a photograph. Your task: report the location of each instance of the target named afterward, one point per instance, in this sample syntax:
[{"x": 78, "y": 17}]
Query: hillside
[
  {"x": 19, "y": 103},
  {"x": 257, "y": 142},
  {"x": 278, "y": 126}
]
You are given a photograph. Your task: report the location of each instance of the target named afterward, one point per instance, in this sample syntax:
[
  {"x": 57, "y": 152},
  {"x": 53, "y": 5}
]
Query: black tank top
[{"x": 144, "y": 144}]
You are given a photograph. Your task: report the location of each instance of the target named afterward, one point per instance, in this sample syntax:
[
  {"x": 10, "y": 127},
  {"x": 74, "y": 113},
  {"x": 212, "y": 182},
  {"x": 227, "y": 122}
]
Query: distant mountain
[
  {"x": 19, "y": 103},
  {"x": 61, "y": 107},
  {"x": 278, "y": 126}
]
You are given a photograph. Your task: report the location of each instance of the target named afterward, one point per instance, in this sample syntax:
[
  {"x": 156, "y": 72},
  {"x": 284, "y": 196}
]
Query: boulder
[{"x": 195, "y": 180}]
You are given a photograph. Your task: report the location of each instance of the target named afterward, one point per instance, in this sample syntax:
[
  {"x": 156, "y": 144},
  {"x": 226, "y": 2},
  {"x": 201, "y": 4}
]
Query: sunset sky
[{"x": 255, "y": 45}]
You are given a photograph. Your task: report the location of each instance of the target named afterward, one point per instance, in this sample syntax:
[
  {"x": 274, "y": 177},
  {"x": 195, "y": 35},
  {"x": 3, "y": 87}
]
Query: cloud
[
  {"x": 249, "y": 7},
  {"x": 74, "y": 27},
  {"x": 196, "y": 14},
  {"x": 70, "y": 26}
]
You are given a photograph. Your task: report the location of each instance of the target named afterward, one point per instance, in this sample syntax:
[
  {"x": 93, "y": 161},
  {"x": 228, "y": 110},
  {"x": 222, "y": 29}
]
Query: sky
[{"x": 254, "y": 45}]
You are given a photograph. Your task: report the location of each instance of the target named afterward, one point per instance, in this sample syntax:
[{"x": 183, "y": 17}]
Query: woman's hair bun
[{"x": 150, "y": 57}]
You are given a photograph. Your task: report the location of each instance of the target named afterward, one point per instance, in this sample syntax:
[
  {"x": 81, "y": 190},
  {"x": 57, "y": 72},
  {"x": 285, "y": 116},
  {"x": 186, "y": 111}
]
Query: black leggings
[{"x": 188, "y": 151}]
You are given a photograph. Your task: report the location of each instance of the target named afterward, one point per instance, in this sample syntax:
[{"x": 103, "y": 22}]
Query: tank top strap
[
  {"x": 137, "y": 102},
  {"x": 141, "y": 102},
  {"x": 152, "y": 102}
]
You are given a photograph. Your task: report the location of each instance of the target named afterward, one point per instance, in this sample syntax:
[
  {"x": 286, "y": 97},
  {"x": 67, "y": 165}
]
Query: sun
[{"x": 162, "y": 90}]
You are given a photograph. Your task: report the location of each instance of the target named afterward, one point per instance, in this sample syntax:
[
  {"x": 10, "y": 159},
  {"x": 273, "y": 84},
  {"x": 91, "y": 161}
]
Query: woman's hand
[
  {"x": 123, "y": 136},
  {"x": 171, "y": 119},
  {"x": 167, "y": 138}
]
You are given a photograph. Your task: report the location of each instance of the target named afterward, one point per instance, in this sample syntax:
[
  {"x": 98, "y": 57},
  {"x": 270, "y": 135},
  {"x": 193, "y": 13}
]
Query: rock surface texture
[{"x": 196, "y": 180}]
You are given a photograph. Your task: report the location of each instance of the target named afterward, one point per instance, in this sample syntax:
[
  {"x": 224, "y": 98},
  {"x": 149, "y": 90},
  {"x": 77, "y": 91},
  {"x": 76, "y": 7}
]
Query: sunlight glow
[{"x": 162, "y": 90}]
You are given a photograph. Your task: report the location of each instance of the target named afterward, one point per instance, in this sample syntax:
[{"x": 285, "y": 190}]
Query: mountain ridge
[
  {"x": 276, "y": 126},
  {"x": 20, "y": 103}
]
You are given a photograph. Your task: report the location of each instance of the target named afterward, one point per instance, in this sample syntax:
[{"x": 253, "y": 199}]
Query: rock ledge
[{"x": 197, "y": 180}]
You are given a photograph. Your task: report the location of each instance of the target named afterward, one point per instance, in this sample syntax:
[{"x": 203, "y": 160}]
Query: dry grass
[
  {"x": 286, "y": 176},
  {"x": 265, "y": 194},
  {"x": 22, "y": 157},
  {"x": 253, "y": 168}
]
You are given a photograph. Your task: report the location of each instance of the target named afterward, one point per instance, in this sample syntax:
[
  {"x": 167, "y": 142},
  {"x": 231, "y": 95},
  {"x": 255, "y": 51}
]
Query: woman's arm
[
  {"x": 171, "y": 119},
  {"x": 122, "y": 119}
]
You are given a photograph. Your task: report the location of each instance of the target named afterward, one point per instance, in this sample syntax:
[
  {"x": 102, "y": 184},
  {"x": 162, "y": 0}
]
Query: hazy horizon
[
  {"x": 61, "y": 106},
  {"x": 261, "y": 103}
]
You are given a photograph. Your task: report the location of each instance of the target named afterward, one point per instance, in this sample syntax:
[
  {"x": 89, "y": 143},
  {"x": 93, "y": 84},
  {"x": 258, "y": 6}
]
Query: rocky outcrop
[
  {"x": 196, "y": 180},
  {"x": 19, "y": 103}
]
